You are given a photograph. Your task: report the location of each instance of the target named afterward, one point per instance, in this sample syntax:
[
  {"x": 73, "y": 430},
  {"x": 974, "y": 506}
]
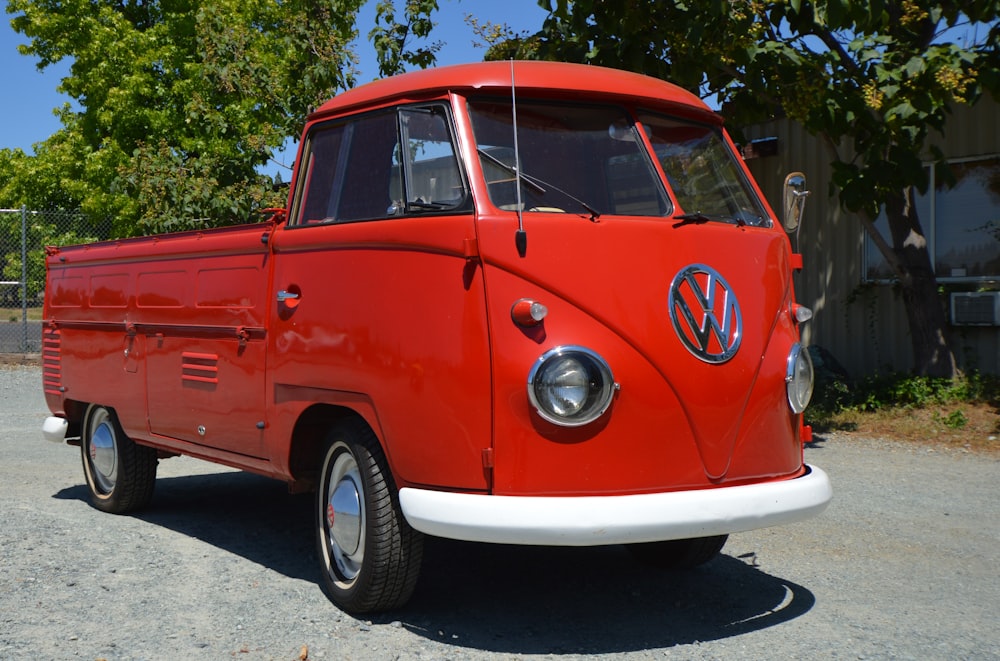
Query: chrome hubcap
[
  {"x": 344, "y": 516},
  {"x": 103, "y": 453},
  {"x": 345, "y": 520}
]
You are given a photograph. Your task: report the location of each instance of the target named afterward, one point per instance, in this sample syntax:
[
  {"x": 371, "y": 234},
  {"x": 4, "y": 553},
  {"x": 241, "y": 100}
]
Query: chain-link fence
[{"x": 23, "y": 237}]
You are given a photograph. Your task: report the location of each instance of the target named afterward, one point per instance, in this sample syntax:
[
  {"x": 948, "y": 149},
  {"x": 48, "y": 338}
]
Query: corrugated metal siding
[
  {"x": 972, "y": 131},
  {"x": 863, "y": 325}
]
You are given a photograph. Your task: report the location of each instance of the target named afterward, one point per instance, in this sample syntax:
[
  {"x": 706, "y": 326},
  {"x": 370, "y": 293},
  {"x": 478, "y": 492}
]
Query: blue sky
[{"x": 26, "y": 115}]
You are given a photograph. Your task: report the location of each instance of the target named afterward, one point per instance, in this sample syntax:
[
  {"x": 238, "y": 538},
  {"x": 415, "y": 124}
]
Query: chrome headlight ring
[
  {"x": 799, "y": 378},
  {"x": 570, "y": 386}
]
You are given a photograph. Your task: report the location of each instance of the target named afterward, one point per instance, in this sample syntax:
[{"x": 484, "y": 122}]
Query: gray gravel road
[{"x": 902, "y": 565}]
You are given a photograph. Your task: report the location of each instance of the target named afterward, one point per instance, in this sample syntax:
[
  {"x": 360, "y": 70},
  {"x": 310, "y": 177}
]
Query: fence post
[{"x": 24, "y": 278}]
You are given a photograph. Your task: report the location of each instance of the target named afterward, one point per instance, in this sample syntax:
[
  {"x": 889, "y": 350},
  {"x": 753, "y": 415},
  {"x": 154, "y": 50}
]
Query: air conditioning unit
[{"x": 981, "y": 308}]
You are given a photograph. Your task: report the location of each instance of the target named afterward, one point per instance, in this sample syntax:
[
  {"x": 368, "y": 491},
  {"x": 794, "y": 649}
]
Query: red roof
[{"x": 556, "y": 79}]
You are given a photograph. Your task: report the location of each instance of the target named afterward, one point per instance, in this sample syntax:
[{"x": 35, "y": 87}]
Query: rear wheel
[
  {"x": 370, "y": 555},
  {"x": 678, "y": 553},
  {"x": 120, "y": 474}
]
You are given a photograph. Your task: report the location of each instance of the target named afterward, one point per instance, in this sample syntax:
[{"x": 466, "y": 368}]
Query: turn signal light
[{"x": 527, "y": 313}]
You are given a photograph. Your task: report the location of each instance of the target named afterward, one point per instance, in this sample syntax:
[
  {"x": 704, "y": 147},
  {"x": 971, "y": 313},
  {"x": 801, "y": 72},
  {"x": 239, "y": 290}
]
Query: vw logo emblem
[{"x": 705, "y": 313}]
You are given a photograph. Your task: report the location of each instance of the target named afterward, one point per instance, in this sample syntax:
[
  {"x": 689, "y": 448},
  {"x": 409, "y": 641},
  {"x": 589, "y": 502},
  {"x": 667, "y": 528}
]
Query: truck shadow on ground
[
  {"x": 498, "y": 598},
  {"x": 541, "y": 600}
]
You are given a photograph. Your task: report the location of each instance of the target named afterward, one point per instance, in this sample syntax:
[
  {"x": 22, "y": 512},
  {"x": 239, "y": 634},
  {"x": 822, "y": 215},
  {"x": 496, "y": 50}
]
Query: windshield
[
  {"x": 702, "y": 172},
  {"x": 574, "y": 159}
]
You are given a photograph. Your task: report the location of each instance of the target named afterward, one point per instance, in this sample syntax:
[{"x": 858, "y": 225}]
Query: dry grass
[
  {"x": 969, "y": 426},
  {"x": 14, "y": 315}
]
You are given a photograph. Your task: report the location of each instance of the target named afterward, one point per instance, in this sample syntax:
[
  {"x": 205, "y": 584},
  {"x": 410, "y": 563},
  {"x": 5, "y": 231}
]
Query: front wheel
[
  {"x": 120, "y": 474},
  {"x": 370, "y": 555},
  {"x": 678, "y": 553}
]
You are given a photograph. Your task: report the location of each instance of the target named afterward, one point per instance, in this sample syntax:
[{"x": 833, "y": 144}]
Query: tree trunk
[{"x": 928, "y": 322}]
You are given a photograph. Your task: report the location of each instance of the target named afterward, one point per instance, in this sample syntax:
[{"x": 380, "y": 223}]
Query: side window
[
  {"x": 349, "y": 170},
  {"x": 318, "y": 174},
  {"x": 369, "y": 190},
  {"x": 433, "y": 179},
  {"x": 380, "y": 165}
]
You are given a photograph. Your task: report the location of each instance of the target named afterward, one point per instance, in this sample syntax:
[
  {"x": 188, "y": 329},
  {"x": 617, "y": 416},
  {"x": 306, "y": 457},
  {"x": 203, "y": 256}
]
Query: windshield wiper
[
  {"x": 511, "y": 169},
  {"x": 538, "y": 185},
  {"x": 420, "y": 204},
  {"x": 698, "y": 218}
]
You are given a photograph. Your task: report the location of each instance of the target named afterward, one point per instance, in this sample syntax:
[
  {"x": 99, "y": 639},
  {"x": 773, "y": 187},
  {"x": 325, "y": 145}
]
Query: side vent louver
[
  {"x": 200, "y": 367},
  {"x": 52, "y": 361}
]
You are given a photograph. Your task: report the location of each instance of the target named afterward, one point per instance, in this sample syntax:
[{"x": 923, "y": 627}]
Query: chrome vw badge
[{"x": 705, "y": 313}]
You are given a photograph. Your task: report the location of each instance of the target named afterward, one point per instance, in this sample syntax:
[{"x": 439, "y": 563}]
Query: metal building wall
[{"x": 864, "y": 325}]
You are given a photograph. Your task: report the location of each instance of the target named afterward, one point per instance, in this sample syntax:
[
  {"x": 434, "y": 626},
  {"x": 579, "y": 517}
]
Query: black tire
[
  {"x": 678, "y": 553},
  {"x": 369, "y": 555},
  {"x": 120, "y": 474}
]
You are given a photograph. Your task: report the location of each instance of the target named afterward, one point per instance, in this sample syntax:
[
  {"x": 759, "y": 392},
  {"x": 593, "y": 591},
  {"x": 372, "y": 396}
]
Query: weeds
[
  {"x": 954, "y": 420},
  {"x": 899, "y": 391},
  {"x": 963, "y": 411}
]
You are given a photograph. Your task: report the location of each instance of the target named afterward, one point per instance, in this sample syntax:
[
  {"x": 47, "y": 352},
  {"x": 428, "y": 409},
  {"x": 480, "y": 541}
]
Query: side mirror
[{"x": 794, "y": 198}]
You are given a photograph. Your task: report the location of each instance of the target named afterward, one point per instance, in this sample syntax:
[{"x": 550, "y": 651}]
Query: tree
[
  {"x": 392, "y": 39},
  {"x": 870, "y": 79},
  {"x": 502, "y": 42},
  {"x": 32, "y": 182},
  {"x": 179, "y": 102}
]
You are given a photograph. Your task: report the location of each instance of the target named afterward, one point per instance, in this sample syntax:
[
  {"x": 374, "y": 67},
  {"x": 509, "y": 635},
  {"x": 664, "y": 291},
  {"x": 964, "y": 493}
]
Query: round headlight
[
  {"x": 799, "y": 378},
  {"x": 570, "y": 386}
]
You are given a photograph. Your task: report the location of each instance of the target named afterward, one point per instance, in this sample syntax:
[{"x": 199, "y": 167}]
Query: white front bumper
[{"x": 598, "y": 520}]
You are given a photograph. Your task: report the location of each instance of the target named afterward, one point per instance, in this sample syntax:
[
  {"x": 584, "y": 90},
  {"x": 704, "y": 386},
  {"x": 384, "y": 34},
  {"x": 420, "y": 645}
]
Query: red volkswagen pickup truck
[{"x": 514, "y": 302}]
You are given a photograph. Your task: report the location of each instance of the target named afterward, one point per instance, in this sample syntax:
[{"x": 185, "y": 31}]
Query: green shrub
[
  {"x": 894, "y": 390},
  {"x": 954, "y": 420}
]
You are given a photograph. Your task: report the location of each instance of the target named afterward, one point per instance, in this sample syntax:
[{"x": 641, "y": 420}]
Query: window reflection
[
  {"x": 968, "y": 222},
  {"x": 702, "y": 171},
  {"x": 398, "y": 162},
  {"x": 572, "y": 158},
  {"x": 963, "y": 223}
]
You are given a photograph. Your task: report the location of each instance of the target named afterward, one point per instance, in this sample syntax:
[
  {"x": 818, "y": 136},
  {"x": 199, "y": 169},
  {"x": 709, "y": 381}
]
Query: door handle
[{"x": 285, "y": 295}]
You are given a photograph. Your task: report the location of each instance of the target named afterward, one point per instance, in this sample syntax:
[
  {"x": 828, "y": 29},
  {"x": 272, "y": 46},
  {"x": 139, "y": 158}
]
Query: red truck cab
[{"x": 528, "y": 303}]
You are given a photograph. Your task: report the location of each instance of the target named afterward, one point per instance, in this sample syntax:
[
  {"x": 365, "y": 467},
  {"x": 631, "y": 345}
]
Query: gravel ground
[{"x": 902, "y": 565}]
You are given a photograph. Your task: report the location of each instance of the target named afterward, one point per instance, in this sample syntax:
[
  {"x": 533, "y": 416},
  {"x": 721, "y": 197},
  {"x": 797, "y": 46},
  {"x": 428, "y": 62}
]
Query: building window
[{"x": 962, "y": 225}]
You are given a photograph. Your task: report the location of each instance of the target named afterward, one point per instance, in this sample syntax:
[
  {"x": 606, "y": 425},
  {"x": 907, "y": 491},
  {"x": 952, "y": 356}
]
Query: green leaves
[
  {"x": 878, "y": 75},
  {"x": 178, "y": 103},
  {"x": 393, "y": 39}
]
